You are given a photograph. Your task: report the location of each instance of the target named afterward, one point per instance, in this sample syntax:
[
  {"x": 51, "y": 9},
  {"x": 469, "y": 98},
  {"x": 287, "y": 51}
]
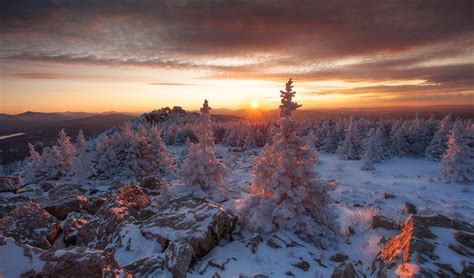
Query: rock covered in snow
[
  {"x": 20, "y": 260},
  {"x": 64, "y": 200},
  {"x": 9, "y": 184},
  {"x": 30, "y": 224},
  {"x": 422, "y": 246},
  {"x": 380, "y": 221},
  {"x": 190, "y": 228},
  {"x": 127, "y": 203},
  {"x": 72, "y": 224},
  {"x": 344, "y": 271}
]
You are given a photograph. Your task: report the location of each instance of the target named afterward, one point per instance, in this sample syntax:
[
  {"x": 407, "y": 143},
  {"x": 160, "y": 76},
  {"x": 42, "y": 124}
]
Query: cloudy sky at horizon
[{"x": 139, "y": 55}]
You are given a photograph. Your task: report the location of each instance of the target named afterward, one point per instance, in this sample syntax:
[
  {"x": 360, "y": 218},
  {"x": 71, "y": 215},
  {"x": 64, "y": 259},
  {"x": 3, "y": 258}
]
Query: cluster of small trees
[
  {"x": 126, "y": 153},
  {"x": 57, "y": 161}
]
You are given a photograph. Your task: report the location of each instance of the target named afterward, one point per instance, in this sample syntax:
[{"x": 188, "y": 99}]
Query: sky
[{"x": 136, "y": 56}]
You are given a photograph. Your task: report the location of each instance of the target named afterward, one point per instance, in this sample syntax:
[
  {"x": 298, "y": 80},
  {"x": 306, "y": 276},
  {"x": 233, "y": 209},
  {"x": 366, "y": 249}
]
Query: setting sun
[{"x": 254, "y": 104}]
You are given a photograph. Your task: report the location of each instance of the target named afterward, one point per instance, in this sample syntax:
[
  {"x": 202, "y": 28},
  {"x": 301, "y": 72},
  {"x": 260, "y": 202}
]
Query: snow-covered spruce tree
[
  {"x": 373, "y": 150},
  {"x": 162, "y": 161},
  {"x": 457, "y": 164},
  {"x": 350, "y": 148},
  {"x": 65, "y": 155},
  {"x": 399, "y": 142},
  {"x": 438, "y": 144},
  {"x": 201, "y": 169},
  {"x": 288, "y": 192},
  {"x": 82, "y": 167},
  {"x": 32, "y": 169}
]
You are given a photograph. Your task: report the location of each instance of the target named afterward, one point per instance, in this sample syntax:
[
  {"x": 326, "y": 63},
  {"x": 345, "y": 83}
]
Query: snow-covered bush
[
  {"x": 358, "y": 220},
  {"x": 289, "y": 193},
  {"x": 457, "y": 164},
  {"x": 201, "y": 168}
]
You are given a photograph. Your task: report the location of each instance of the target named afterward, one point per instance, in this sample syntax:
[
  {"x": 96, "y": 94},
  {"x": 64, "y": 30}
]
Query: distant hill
[{"x": 42, "y": 129}]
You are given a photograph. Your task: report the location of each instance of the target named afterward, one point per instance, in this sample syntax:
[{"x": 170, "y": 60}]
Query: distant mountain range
[
  {"x": 42, "y": 129},
  {"x": 462, "y": 111}
]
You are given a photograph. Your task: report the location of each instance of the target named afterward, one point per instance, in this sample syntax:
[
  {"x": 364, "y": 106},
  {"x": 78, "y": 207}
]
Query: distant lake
[{"x": 11, "y": 135}]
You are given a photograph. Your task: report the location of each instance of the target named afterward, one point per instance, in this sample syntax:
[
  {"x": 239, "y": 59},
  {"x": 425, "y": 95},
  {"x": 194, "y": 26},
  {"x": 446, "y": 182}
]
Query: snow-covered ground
[{"x": 358, "y": 196}]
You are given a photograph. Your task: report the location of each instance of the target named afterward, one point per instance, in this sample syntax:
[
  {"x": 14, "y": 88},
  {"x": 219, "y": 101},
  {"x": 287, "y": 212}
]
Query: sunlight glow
[{"x": 254, "y": 104}]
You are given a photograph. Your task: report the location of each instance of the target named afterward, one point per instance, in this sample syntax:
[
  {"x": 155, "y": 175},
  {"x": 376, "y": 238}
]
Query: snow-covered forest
[{"x": 176, "y": 193}]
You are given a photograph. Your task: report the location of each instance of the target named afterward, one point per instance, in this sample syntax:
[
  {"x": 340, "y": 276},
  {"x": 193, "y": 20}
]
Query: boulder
[
  {"x": 417, "y": 248},
  {"x": 64, "y": 200},
  {"x": 94, "y": 204},
  {"x": 126, "y": 206},
  {"x": 79, "y": 261},
  {"x": 10, "y": 184},
  {"x": 344, "y": 271},
  {"x": 73, "y": 223},
  {"x": 379, "y": 221},
  {"x": 339, "y": 258},
  {"x": 188, "y": 228},
  {"x": 30, "y": 224},
  {"x": 69, "y": 262},
  {"x": 151, "y": 183},
  {"x": 152, "y": 266}
]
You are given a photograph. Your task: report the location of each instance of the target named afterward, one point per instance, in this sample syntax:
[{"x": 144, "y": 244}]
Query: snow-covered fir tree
[
  {"x": 201, "y": 169},
  {"x": 398, "y": 139},
  {"x": 373, "y": 150},
  {"x": 438, "y": 144},
  {"x": 65, "y": 155},
  {"x": 457, "y": 164},
  {"x": 289, "y": 193},
  {"x": 82, "y": 167},
  {"x": 32, "y": 169},
  {"x": 161, "y": 161},
  {"x": 350, "y": 148}
]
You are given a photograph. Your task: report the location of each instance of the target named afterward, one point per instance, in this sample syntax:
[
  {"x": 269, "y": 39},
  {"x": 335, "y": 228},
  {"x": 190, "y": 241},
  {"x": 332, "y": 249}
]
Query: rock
[
  {"x": 151, "y": 183},
  {"x": 410, "y": 208},
  {"x": 189, "y": 229},
  {"x": 10, "y": 184},
  {"x": 379, "y": 221},
  {"x": 273, "y": 244},
  {"x": 466, "y": 239},
  {"x": 126, "y": 205},
  {"x": 304, "y": 265},
  {"x": 260, "y": 275},
  {"x": 339, "y": 258},
  {"x": 94, "y": 204},
  {"x": 253, "y": 242},
  {"x": 7, "y": 205},
  {"x": 152, "y": 266},
  {"x": 219, "y": 265},
  {"x": 30, "y": 224},
  {"x": 78, "y": 262},
  {"x": 179, "y": 256},
  {"x": 417, "y": 247},
  {"x": 73, "y": 223},
  {"x": 389, "y": 196},
  {"x": 63, "y": 201},
  {"x": 344, "y": 271}
]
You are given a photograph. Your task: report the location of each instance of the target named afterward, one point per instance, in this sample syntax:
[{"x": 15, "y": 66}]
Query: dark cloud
[{"x": 309, "y": 40}]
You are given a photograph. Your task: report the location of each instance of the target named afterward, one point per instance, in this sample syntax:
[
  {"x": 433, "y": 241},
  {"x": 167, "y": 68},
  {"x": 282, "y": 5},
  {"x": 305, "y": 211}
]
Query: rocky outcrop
[
  {"x": 27, "y": 261},
  {"x": 126, "y": 204},
  {"x": 28, "y": 223},
  {"x": 9, "y": 184},
  {"x": 420, "y": 246},
  {"x": 151, "y": 183},
  {"x": 64, "y": 200},
  {"x": 94, "y": 204},
  {"x": 189, "y": 229}
]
